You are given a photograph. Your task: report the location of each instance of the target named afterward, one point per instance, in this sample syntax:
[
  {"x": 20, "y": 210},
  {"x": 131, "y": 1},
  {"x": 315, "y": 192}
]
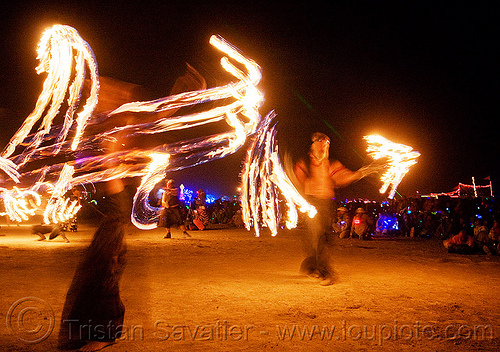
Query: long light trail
[
  {"x": 72, "y": 156},
  {"x": 58, "y": 47},
  {"x": 264, "y": 181},
  {"x": 400, "y": 158},
  {"x": 60, "y": 155}
]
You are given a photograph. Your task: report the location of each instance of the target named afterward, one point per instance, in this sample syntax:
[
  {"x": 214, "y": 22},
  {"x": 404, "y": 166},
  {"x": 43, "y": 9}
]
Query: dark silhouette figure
[{"x": 93, "y": 312}]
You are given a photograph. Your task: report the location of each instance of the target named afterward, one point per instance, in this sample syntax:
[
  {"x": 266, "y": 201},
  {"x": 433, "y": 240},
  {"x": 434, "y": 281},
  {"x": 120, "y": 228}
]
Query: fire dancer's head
[
  {"x": 342, "y": 210},
  {"x": 320, "y": 145}
]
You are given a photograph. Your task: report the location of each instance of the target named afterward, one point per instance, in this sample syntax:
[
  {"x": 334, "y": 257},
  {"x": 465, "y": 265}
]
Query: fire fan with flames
[{"x": 400, "y": 158}]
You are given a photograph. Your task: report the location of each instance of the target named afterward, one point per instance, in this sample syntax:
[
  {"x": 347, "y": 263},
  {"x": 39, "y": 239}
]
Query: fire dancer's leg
[
  {"x": 310, "y": 246},
  {"x": 322, "y": 234}
]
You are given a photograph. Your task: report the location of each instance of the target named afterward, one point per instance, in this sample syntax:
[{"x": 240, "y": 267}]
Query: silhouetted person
[
  {"x": 53, "y": 230},
  {"x": 343, "y": 224},
  {"x": 93, "y": 313},
  {"x": 361, "y": 225},
  {"x": 199, "y": 209}
]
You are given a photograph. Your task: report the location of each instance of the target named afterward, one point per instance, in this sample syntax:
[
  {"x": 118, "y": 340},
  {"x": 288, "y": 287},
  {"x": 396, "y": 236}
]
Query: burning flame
[
  {"x": 264, "y": 180},
  {"x": 400, "y": 158},
  {"x": 20, "y": 204},
  {"x": 56, "y": 50},
  {"x": 74, "y": 156}
]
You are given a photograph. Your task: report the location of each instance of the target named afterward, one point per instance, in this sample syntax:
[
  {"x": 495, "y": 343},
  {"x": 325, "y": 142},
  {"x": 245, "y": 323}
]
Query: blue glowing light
[
  {"x": 210, "y": 199},
  {"x": 387, "y": 222},
  {"x": 187, "y": 196}
]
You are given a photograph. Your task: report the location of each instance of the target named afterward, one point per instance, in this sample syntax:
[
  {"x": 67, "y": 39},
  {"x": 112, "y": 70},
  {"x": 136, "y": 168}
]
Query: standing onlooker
[{"x": 170, "y": 214}]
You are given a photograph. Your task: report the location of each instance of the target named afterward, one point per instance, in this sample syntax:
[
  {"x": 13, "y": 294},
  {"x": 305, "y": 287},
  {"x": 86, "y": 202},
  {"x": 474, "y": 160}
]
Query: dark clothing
[
  {"x": 170, "y": 198},
  {"x": 461, "y": 249},
  {"x": 170, "y": 214},
  {"x": 316, "y": 245},
  {"x": 54, "y": 231},
  {"x": 117, "y": 205},
  {"x": 170, "y": 217},
  {"x": 93, "y": 310}
]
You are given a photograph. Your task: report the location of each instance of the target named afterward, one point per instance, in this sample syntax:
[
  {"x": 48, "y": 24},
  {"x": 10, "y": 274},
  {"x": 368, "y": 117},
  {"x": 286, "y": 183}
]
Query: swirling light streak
[
  {"x": 145, "y": 215},
  {"x": 9, "y": 168},
  {"x": 59, "y": 208},
  {"x": 400, "y": 158},
  {"x": 56, "y": 51},
  {"x": 20, "y": 204},
  {"x": 264, "y": 180},
  {"x": 85, "y": 159}
]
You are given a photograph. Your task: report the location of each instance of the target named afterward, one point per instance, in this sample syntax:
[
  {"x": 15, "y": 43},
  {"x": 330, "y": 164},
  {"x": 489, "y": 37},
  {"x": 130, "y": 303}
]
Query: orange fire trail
[
  {"x": 72, "y": 156},
  {"x": 400, "y": 158},
  {"x": 263, "y": 183}
]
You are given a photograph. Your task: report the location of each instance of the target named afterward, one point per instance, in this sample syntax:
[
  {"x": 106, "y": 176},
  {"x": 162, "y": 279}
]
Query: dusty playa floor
[{"x": 226, "y": 290}]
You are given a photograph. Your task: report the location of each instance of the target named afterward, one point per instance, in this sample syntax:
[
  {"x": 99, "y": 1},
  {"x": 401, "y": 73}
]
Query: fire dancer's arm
[{"x": 342, "y": 176}]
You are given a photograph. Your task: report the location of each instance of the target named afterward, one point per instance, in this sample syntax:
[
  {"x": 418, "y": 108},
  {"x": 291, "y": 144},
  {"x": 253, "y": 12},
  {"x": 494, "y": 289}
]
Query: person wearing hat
[
  {"x": 318, "y": 177},
  {"x": 361, "y": 225},
  {"x": 343, "y": 225}
]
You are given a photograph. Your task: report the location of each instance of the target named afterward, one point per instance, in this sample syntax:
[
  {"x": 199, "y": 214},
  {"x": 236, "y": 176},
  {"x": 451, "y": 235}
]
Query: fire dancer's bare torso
[{"x": 320, "y": 178}]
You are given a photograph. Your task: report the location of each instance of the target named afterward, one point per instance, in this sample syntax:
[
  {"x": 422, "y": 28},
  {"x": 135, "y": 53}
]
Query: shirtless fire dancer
[{"x": 318, "y": 177}]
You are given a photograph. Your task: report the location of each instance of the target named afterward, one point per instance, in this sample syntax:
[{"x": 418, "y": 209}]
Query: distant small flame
[{"x": 400, "y": 158}]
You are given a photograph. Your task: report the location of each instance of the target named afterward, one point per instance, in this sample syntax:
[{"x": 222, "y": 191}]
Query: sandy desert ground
[{"x": 227, "y": 290}]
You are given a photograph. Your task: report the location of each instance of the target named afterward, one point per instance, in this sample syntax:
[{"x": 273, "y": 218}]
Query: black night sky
[{"x": 420, "y": 73}]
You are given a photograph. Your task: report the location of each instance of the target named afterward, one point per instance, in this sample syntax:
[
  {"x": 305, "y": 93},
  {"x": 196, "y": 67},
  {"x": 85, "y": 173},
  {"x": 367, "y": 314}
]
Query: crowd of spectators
[
  {"x": 223, "y": 212},
  {"x": 465, "y": 225}
]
